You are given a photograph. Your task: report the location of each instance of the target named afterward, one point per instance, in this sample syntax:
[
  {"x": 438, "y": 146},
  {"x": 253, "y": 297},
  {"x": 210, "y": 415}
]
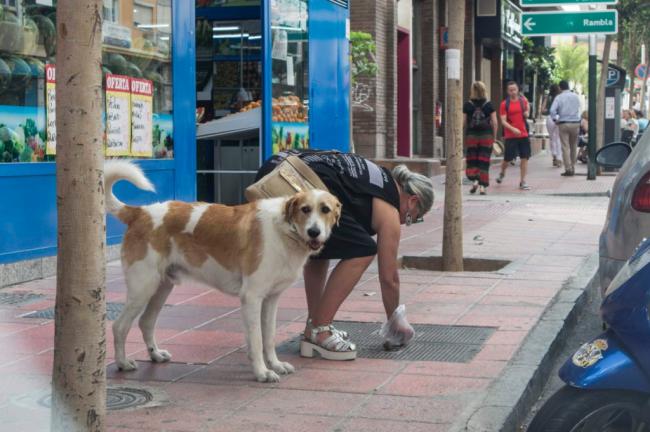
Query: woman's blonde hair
[
  {"x": 415, "y": 184},
  {"x": 478, "y": 91}
]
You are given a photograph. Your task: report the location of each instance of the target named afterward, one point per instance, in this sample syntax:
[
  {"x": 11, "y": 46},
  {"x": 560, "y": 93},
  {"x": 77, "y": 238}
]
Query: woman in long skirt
[{"x": 480, "y": 121}]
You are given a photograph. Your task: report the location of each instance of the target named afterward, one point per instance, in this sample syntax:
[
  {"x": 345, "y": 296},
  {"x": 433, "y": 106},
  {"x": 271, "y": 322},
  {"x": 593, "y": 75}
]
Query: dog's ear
[{"x": 290, "y": 208}]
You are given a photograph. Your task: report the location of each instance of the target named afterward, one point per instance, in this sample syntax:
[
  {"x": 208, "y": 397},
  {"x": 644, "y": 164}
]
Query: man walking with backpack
[
  {"x": 480, "y": 120},
  {"x": 514, "y": 113},
  {"x": 565, "y": 111}
]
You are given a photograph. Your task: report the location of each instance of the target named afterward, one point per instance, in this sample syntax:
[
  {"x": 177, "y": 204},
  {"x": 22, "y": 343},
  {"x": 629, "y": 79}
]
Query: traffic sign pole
[{"x": 591, "y": 141}]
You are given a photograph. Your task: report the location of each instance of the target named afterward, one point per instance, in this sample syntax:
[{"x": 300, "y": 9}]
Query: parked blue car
[{"x": 608, "y": 379}]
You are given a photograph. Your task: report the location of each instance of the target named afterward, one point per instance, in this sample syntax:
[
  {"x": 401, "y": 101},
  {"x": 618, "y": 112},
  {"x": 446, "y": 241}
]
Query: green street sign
[
  {"x": 569, "y": 23},
  {"x": 533, "y": 3}
]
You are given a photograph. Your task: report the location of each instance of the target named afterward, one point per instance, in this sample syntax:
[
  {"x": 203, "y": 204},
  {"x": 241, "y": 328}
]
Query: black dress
[{"x": 355, "y": 181}]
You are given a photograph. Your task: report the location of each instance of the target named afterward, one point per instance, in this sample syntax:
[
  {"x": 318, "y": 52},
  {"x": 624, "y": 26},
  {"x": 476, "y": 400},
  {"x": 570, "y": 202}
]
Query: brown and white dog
[{"x": 254, "y": 251}]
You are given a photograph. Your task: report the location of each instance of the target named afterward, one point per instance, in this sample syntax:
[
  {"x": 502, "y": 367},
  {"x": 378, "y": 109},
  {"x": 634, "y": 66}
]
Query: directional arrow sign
[
  {"x": 560, "y": 22},
  {"x": 533, "y": 3}
]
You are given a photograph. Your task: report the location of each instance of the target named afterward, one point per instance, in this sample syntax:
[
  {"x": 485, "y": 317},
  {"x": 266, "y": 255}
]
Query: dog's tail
[{"x": 116, "y": 170}]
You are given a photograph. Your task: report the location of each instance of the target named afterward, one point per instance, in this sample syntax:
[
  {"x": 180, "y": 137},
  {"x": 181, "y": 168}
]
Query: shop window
[
  {"x": 137, "y": 80},
  {"x": 290, "y": 74}
]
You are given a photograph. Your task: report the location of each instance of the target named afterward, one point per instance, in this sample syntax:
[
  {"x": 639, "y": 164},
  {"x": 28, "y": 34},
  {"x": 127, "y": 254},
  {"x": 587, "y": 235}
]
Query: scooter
[{"x": 608, "y": 379}]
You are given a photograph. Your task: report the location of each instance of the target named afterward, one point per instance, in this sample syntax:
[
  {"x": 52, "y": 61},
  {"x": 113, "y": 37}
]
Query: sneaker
[
  {"x": 567, "y": 174},
  {"x": 482, "y": 190},
  {"x": 524, "y": 186},
  {"x": 474, "y": 188},
  {"x": 500, "y": 178}
]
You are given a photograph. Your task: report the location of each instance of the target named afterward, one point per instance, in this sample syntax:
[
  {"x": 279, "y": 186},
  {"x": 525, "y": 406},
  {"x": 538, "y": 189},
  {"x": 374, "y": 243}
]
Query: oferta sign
[{"x": 569, "y": 23}]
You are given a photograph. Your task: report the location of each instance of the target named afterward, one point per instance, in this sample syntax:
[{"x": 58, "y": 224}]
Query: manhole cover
[
  {"x": 18, "y": 297},
  {"x": 117, "y": 398},
  {"x": 456, "y": 344},
  {"x": 113, "y": 311}
]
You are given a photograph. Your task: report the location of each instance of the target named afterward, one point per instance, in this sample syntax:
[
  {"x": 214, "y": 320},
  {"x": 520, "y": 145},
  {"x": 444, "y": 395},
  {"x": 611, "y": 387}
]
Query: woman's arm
[
  {"x": 494, "y": 123},
  {"x": 385, "y": 222}
]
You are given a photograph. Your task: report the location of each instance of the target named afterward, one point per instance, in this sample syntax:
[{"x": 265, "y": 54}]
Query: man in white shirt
[{"x": 565, "y": 111}]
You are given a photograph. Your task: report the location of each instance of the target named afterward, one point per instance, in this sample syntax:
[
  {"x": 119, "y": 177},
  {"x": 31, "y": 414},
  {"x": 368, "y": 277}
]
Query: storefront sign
[
  {"x": 141, "y": 117},
  {"x": 511, "y": 23},
  {"x": 50, "y": 109},
  {"x": 118, "y": 115},
  {"x": 571, "y": 23}
]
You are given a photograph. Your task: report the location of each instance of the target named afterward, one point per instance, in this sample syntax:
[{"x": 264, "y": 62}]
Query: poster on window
[
  {"x": 141, "y": 117},
  {"x": 50, "y": 109},
  {"x": 118, "y": 115}
]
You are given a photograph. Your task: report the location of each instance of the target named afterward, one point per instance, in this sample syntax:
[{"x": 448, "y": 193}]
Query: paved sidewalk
[{"x": 209, "y": 386}]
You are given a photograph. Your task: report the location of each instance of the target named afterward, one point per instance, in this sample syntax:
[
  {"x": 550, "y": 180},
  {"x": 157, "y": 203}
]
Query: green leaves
[{"x": 363, "y": 50}]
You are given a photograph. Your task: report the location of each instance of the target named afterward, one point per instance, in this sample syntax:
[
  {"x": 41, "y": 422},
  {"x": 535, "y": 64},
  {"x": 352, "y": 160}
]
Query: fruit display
[
  {"x": 289, "y": 109},
  {"x": 251, "y": 106}
]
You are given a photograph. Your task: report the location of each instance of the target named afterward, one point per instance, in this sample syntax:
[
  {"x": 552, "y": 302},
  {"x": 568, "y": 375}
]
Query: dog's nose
[{"x": 313, "y": 232}]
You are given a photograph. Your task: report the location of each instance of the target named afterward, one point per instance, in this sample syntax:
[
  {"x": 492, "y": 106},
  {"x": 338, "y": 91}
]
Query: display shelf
[{"x": 230, "y": 125}]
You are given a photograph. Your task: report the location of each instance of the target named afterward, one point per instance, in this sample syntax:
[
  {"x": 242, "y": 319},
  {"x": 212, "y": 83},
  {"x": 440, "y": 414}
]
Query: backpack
[
  {"x": 479, "y": 120},
  {"x": 523, "y": 110}
]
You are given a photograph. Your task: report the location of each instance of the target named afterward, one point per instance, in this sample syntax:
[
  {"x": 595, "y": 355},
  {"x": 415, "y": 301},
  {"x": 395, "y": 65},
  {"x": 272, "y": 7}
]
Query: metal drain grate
[
  {"x": 113, "y": 310},
  {"x": 18, "y": 297},
  {"x": 117, "y": 398},
  {"x": 456, "y": 344}
]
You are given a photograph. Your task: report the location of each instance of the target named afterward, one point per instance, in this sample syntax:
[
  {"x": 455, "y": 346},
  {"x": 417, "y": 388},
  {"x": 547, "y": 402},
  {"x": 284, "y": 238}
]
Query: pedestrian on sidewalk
[
  {"x": 375, "y": 201},
  {"x": 514, "y": 113},
  {"x": 480, "y": 121},
  {"x": 630, "y": 127},
  {"x": 565, "y": 111},
  {"x": 551, "y": 127}
]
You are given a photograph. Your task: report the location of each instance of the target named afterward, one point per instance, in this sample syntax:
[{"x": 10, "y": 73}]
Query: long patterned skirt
[{"x": 477, "y": 159}]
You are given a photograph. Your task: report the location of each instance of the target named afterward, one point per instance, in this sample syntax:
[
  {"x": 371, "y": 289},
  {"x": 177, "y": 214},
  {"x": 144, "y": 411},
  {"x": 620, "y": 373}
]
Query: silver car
[{"x": 628, "y": 217}]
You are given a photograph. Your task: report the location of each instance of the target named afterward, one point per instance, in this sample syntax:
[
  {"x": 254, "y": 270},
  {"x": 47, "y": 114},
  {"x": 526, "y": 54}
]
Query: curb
[{"x": 507, "y": 401}]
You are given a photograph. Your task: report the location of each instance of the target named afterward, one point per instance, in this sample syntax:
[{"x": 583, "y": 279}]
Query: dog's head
[{"x": 313, "y": 214}]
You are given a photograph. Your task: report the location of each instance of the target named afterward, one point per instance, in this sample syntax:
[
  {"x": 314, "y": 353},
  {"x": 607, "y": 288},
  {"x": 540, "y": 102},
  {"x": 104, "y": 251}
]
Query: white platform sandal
[{"x": 335, "y": 347}]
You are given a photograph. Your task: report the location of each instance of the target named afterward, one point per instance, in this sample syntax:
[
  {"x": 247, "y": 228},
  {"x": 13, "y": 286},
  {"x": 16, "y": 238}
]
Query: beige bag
[{"x": 290, "y": 177}]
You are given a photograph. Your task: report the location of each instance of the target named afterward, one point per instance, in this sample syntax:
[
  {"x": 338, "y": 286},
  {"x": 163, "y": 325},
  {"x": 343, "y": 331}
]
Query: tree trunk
[
  {"x": 452, "y": 241},
  {"x": 600, "y": 104},
  {"x": 631, "y": 62},
  {"x": 620, "y": 44},
  {"x": 79, "y": 378}
]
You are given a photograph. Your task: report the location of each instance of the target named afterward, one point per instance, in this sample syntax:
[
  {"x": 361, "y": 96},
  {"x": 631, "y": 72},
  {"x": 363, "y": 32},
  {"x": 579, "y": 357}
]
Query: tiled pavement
[{"x": 209, "y": 385}]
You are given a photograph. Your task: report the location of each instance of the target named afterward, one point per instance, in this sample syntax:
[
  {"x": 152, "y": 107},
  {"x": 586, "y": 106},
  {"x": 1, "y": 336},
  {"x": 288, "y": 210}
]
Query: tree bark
[
  {"x": 79, "y": 378},
  {"x": 631, "y": 62},
  {"x": 452, "y": 243},
  {"x": 600, "y": 105}
]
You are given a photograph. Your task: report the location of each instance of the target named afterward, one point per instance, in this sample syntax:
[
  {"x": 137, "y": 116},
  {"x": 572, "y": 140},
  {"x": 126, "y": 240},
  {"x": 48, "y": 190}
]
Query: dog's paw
[
  {"x": 160, "y": 356},
  {"x": 127, "y": 365},
  {"x": 267, "y": 376},
  {"x": 283, "y": 368}
]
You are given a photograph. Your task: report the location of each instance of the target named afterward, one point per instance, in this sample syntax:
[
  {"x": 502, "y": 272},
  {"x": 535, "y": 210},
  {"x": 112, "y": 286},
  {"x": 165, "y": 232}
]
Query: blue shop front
[{"x": 198, "y": 96}]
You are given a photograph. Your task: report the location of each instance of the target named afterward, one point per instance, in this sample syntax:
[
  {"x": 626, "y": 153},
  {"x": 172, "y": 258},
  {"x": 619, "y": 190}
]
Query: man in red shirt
[{"x": 513, "y": 112}]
